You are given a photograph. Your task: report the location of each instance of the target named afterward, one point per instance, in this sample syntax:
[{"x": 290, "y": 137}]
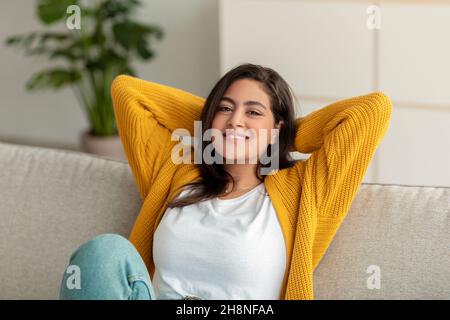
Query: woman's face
[{"x": 244, "y": 110}]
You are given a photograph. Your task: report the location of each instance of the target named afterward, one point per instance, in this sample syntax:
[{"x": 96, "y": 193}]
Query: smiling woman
[
  {"x": 252, "y": 101},
  {"x": 264, "y": 243}
]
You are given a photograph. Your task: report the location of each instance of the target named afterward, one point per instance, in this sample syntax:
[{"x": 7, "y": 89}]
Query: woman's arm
[
  {"x": 343, "y": 138},
  {"x": 146, "y": 114}
]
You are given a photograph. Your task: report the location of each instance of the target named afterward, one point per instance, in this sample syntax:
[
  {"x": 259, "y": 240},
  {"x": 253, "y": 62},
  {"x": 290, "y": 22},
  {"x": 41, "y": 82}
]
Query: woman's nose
[{"x": 236, "y": 119}]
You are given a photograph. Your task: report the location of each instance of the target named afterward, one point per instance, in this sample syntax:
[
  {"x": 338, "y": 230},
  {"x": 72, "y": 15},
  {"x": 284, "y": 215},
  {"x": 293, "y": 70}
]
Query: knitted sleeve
[
  {"x": 343, "y": 138},
  {"x": 146, "y": 115}
]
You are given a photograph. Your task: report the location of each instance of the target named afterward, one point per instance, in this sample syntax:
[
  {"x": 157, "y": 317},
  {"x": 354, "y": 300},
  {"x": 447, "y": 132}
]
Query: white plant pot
[{"x": 107, "y": 147}]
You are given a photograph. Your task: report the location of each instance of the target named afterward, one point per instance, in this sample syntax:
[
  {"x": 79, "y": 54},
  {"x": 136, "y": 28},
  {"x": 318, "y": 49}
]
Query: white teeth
[{"x": 230, "y": 136}]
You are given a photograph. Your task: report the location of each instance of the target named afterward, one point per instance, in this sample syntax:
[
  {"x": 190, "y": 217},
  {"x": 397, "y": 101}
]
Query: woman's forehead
[{"x": 246, "y": 89}]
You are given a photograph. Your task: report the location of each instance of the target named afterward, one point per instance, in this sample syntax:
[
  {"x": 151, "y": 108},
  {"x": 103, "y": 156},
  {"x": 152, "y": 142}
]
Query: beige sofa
[{"x": 393, "y": 244}]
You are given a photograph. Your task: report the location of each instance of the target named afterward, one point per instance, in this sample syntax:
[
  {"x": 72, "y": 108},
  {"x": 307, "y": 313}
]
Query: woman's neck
[{"x": 244, "y": 175}]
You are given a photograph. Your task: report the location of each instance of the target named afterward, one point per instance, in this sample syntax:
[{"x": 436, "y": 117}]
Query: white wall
[
  {"x": 187, "y": 58},
  {"x": 325, "y": 51}
]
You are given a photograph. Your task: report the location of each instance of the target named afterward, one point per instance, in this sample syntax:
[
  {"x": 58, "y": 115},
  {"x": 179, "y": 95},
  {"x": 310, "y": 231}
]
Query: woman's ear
[
  {"x": 274, "y": 135},
  {"x": 279, "y": 124}
]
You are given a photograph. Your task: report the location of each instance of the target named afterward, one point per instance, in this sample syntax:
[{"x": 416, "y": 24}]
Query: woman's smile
[{"x": 233, "y": 138}]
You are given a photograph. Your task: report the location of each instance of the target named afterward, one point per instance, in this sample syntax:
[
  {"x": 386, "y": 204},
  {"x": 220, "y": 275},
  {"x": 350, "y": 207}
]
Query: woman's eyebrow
[{"x": 247, "y": 103}]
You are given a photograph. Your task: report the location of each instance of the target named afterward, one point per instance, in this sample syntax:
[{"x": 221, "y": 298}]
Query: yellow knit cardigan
[{"x": 311, "y": 198}]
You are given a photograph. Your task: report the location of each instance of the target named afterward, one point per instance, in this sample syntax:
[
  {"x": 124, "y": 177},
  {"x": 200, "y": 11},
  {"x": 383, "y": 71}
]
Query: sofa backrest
[
  {"x": 393, "y": 244},
  {"x": 52, "y": 201}
]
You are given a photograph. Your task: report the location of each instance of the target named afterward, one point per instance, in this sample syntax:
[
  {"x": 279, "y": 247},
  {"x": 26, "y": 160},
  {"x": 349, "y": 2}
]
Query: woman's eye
[{"x": 222, "y": 108}]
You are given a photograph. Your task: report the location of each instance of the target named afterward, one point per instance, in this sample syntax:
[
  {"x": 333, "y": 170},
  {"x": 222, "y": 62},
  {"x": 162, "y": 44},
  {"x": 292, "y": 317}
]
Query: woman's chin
[{"x": 240, "y": 160}]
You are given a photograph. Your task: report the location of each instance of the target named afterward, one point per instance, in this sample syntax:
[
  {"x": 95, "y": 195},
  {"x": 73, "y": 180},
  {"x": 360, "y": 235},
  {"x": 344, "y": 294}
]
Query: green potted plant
[{"x": 95, "y": 48}]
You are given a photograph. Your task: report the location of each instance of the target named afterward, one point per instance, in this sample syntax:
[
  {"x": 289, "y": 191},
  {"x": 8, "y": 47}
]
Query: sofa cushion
[{"x": 397, "y": 233}]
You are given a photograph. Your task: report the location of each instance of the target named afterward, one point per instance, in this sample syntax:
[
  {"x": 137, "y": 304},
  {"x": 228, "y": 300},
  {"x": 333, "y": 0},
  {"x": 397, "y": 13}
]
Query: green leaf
[
  {"x": 71, "y": 55},
  {"x": 50, "y": 11},
  {"x": 127, "y": 69},
  {"x": 22, "y": 40},
  {"x": 115, "y": 8},
  {"x": 13, "y": 40},
  {"x": 122, "y": 34},
  {"x": 133, "y": 36},
  {"x": 151, "y": 30},
  {"x": 135, "y": 2},
  {"x": 53, "y": 78},
  {"x": 159, "y": 33},
  {"x": 94, "y": 65},
  {"x": 143, "y": 50},
  {"x": 56, "y": 36}
]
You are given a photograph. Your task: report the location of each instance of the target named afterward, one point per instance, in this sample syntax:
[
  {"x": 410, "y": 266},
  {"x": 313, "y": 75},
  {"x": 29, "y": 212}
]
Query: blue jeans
[{"x": 107, "y": 267}]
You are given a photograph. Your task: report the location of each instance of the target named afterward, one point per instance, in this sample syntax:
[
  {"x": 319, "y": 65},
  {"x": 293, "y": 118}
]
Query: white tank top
[{"x": 220, "y": 249}]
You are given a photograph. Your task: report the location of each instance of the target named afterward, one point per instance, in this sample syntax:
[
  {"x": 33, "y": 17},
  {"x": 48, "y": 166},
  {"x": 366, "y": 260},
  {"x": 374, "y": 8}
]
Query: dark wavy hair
[{"x": 214, "y": 177}]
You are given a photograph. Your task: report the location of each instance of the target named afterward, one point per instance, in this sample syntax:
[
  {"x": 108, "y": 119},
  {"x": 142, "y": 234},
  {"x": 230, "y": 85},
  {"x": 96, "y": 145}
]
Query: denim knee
[
  {"x": 109, "y": 266},
  {"x": 104, "y": 247}
]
